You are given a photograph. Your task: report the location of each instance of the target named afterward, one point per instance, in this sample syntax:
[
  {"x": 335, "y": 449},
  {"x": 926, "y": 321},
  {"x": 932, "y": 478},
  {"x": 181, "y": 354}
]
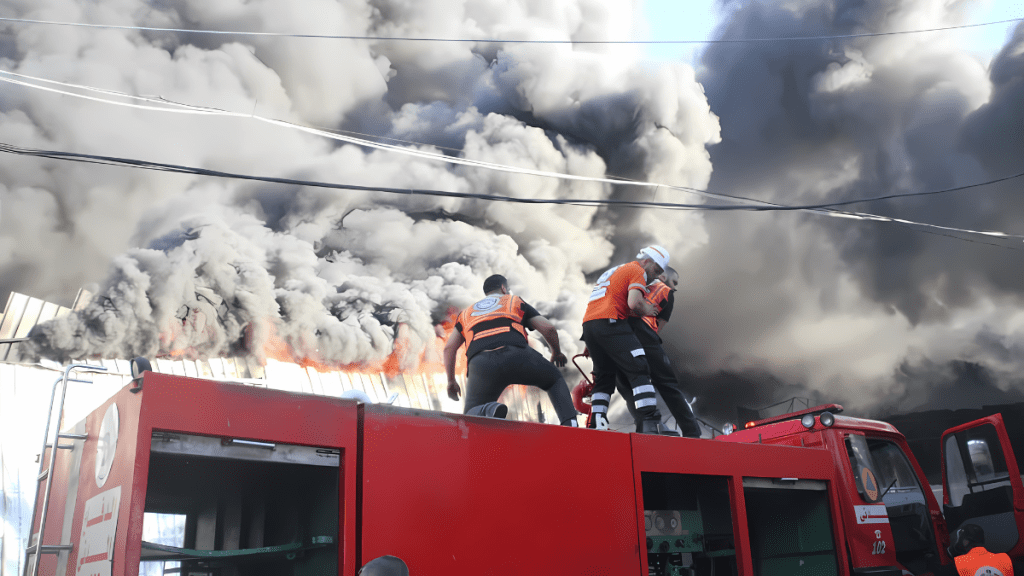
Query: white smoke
[
  {"x": 870, "y": 314},
  {"x": 202, "y": 268}
]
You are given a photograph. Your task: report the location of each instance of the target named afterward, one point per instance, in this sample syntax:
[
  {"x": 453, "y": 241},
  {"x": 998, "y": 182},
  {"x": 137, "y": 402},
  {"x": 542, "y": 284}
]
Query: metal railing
[{"x": 34, "y": 551}]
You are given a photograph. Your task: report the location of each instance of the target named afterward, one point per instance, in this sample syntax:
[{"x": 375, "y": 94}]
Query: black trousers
[
  {"x": 614, "y": 349},
  {"x": 664, "y": 380},
  {"x": 491, "y": 371}
]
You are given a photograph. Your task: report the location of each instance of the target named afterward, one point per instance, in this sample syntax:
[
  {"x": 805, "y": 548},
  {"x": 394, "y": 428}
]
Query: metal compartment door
[{"x": 982, "y": 483}]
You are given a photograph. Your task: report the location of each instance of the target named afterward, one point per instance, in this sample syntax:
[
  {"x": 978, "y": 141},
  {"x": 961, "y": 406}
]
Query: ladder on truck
[{"x": 36, "y": 548}]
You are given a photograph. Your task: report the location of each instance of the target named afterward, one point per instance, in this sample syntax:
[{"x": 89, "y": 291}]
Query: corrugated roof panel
[
  {"x": 123, "y": 366},
  {"x": 332, "y": 384},
  {"x": 313, "y": 377},
  {"x": 49, "y": 312},
  {"x": 241, "y": 369},
  {"x": 230, "y": 370},
  {"x": 82, "y": 299},
  {"x": 12, "y": 314},
  {"x": 379, "y": 386},
  {"x": 351, "y": 381},
  {"x": 33, "y": 308},
  {"x": 205, "y": 370}
]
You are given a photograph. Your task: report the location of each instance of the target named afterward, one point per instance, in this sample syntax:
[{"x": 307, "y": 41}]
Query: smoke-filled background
[{"x": 878, "y": 316}]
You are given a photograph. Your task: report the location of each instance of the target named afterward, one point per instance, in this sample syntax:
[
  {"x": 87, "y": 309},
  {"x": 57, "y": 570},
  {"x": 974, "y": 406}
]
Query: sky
[
  {"x": 883, "y": 304},
  {"x": 697, "y": 19}
]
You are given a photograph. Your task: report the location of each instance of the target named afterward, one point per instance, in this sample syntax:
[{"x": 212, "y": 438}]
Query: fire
[
  {"x": 410, "y": 357},
  {"x": 186, "y": 335},
  {"x": 428, "y": 363},
  {"x": 417, "y": 361}
]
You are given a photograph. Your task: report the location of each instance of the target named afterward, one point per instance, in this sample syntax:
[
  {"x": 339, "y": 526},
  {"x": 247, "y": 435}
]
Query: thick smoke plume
[
  {"x": 202, "y": 268},
  {"x": 877, "y": 316}
]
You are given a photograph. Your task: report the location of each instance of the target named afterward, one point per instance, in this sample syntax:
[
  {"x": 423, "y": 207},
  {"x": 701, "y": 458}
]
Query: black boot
[
  {"x": 490, "y": 410},
  {"x": 651, "y": 427}
]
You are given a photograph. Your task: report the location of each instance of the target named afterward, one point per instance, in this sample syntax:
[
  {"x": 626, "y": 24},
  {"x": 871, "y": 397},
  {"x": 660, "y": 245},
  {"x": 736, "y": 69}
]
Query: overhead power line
[
  {"x": 182, "y": 169},
  {"x": 161, "y": 105},
  {"x": 503, "y": 41},
  {"x": 158, "y": 104}
]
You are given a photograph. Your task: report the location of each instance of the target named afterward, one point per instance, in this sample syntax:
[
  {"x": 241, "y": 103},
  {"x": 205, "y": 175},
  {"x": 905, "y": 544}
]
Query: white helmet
[{"x": 657, "y": 253}]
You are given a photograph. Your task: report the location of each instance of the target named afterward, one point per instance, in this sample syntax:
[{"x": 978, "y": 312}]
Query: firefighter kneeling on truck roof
[
  {"x": 971, "y": 557},
  {"x": 499, "y": 354}
]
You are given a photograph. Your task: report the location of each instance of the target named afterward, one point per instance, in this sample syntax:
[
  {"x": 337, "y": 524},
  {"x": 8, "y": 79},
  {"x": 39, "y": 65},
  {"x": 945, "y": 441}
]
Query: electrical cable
[
  {"x": 962, "y": 239},
  {"x": 180, "y": 169},
  {"x": 759, "y": 205},
  {"x": 512, "y": 41},
  {"x": 203, "y": 110}
]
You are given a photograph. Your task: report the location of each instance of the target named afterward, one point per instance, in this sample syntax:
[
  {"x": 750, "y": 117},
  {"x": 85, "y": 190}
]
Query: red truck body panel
[
  {"x": 453, "y": 494},
  {"x": 447, "y": 493}
]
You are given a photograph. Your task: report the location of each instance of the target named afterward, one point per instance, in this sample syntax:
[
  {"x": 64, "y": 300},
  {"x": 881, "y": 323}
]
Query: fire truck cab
[
  {"x": 891, "y": 516},
  {"x": 256, "y": 482}
]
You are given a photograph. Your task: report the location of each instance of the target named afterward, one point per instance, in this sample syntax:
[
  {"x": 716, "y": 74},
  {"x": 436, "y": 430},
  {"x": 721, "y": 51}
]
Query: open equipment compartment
[
  {"x": 688, "y": 523},
  {"x": 790, "y": 527},
  {"x": 251, "y": 508}
]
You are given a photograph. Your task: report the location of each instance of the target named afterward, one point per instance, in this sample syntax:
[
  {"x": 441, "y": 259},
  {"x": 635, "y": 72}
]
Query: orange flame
[
  {"x": 262, "y": 341},
  {"x": 429, "y": 361}
]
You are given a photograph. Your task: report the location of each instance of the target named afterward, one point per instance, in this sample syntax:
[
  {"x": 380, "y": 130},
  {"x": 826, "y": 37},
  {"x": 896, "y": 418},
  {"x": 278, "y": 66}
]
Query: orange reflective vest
[
  {"x": 981, "y": 562},
  {"x": 495, "y": 319},
  {"x": 659, "y": 292}
]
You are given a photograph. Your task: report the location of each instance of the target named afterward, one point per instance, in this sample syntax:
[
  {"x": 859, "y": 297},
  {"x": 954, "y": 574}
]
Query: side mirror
[
  {"x": 139, "y": 365},
  {"x": 981, "y": 459}
]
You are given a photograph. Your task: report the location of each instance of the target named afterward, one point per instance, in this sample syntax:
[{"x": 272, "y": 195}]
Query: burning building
[{"x": 322, "y": 201}]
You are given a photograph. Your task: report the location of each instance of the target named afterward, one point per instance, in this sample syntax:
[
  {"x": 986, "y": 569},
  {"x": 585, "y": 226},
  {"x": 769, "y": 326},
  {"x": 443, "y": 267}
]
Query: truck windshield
[
  {"x": 881, "y": 472},
  {"x": 896, "y": 477},
  {"x": 863, "y": 466}
]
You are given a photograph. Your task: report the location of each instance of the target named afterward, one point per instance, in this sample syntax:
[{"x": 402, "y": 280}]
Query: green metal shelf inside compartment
[{"x": 160, "y": 552}]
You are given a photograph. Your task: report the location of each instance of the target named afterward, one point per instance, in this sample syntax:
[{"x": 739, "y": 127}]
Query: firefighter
[
  {"x": 613, "y": 346},
  {"x": 499, "y": 354},
  {"x": 973, "y": 558},
  {"x": 662, "y": 297},
  {"x": 384, "y": 566}
]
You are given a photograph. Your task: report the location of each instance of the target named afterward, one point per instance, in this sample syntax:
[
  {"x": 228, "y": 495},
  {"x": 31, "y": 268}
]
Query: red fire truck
[
  {"x": 886, "y": 504},
  {"x": 275, "y": 483}
]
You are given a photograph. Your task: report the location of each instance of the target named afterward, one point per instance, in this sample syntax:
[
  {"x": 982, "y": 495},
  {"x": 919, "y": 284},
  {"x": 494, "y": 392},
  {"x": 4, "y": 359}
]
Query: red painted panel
[
  {"x": 121, "y": 474},
  {"x": 737, "y": 461},
  {"x": 181, "y": 404},
  {"x": 453, "y": 494},
  {"x": 194, "y": 406},
  {"x": 697, "y": 456}
]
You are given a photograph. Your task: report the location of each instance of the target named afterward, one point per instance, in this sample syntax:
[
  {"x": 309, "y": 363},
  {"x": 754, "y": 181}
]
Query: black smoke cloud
[{"x": 872, "y": 315}]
